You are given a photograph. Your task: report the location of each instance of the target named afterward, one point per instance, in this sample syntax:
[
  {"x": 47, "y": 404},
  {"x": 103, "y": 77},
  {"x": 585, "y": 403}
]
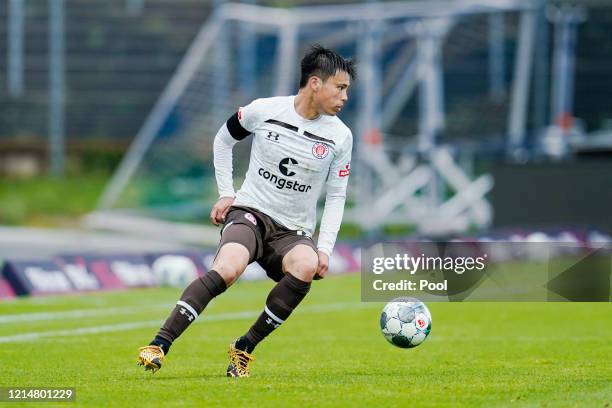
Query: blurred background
[
  {"x": 470, "y": 117},
  {"x": 487, "y": 122}
]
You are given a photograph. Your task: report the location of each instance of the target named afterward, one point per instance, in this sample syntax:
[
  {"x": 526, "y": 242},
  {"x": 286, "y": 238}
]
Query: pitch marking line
[
  {"x": 24, "y": 337},
  {"x": 77, "y": 313}
]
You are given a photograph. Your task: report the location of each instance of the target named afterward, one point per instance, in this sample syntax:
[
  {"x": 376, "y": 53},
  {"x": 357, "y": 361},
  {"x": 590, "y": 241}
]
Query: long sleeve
[
  {"x": 335, "y": 198},
  {"x": 238, "y": 126},
  {"x": 332, "y": 217},
  {"x": 222, "y": 151}
]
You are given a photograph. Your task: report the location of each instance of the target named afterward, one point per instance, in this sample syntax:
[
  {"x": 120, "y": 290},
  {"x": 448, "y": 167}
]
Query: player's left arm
[{"x": 337, "y": 181}]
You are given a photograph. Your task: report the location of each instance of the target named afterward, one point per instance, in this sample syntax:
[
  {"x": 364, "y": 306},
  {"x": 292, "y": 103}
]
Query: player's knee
[
  {"x": 304, "y": 271},
  {"x": 302, "y": 264},
  {"x": 228, "y": 273},
  {"x": 231, "y": 261}
]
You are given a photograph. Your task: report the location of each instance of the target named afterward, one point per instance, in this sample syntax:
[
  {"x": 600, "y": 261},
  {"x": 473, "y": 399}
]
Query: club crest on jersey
[
  {"x": 251, "y": 218},
  {"x": 320, "y": 150}
]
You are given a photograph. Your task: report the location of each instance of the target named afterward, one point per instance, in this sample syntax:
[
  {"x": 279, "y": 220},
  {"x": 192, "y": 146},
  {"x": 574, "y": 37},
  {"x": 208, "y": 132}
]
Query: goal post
[{"x": 403, "y": 112}]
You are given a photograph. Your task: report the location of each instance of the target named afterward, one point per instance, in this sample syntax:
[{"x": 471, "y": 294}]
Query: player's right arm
[{"x": 240, "y": 125}]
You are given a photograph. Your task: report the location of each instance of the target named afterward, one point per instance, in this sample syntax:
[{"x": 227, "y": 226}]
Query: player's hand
[
  {"x": 220, "y": 209},
  {"x": 323, "y": 265}
]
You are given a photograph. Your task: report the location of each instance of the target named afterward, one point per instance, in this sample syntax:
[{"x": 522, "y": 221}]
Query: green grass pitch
[{"x": 330, "y": 353}]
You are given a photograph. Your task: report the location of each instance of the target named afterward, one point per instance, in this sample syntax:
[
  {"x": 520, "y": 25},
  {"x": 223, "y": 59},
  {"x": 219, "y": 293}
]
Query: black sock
[
  {"x": 282, "y": 300},
  {"x": 161, "y": 342},
  {"x": 192, "y": 302},
  {"x": 245, "y": 345}
]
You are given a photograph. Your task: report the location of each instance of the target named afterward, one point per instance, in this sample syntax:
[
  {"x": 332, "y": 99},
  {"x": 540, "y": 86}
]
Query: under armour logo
[
  {"x": 184, "y": 312},
  {"x": 272, "y": 322},
  {"x": 272, "y": 136}
]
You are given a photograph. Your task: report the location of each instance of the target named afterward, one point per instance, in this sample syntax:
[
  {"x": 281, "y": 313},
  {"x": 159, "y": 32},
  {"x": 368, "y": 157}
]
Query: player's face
[{"x": 333, "y": 93}]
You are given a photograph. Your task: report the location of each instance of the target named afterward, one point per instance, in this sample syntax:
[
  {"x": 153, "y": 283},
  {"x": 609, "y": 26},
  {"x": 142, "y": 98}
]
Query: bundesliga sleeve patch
[{"x": 345, "y": 171}]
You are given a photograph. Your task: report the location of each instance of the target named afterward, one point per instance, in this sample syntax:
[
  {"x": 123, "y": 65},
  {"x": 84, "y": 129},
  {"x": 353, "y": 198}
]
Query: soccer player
[{"x": 299, "y": 147}]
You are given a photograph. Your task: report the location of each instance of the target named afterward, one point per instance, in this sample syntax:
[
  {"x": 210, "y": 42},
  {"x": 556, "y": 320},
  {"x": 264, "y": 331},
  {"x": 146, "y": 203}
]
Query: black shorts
[{"x": 272, "y": 241}]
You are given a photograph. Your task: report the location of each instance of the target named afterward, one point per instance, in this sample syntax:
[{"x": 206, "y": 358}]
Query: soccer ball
[
  {"x": 174, "y": 270},
  {"x": 405, "y": 322}
]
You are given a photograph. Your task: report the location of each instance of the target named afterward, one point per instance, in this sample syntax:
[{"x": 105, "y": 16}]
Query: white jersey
[{"x": 292, "y": 159}]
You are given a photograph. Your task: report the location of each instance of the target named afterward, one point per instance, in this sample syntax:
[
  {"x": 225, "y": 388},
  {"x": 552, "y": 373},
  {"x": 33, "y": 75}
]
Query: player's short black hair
[{"x": 324, "y": 62}]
